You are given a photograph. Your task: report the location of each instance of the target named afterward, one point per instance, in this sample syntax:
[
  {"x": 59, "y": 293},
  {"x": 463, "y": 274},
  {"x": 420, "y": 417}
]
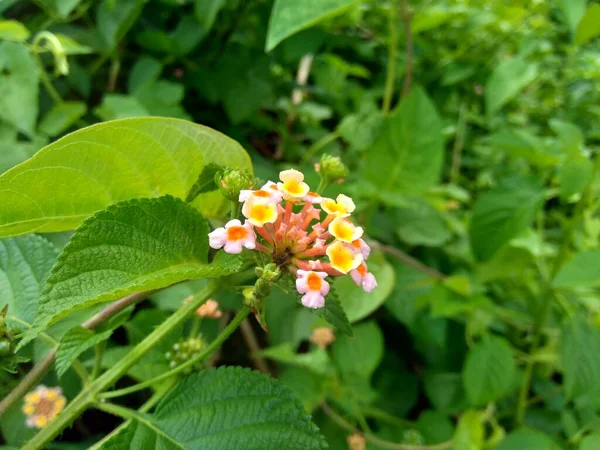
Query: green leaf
[
  {"x": 61, "y": 117},
  {"x": 574, "y": 176},
  {"x": 445, "y": 391},
  {"x": 591, "y": 442},
  {"x": 589, "y": 27},
  {"x": 290, "y": 16},
  {"x": 228, "y": 407},
  {"x": 334, "y": 314},
  {"x": 74, "y": 343},
  {"x": 90, "y": 169},
  {"x": 315, "y": 360},
  {"x": 419, "y": 223},
  {"x": 360, "y": 354},
  {"x": 408, "y": 154},
  {"x": 573, "y": 10},
  {"x": 570, "y": 137},
  {"x": 523, "y": 144},
  {"x": 19, "y": 87},
  {"x": 206, "y": 12},
  {"x": 132, "y": 246},
  {"x": 356, "y": 302},
  {"x": 119, "y": 106},
  {"x": 502, "y": 213},
  {"x": 581, "y": 271},
  {"x": 11, "y": 363},
  {"x": 25, "y": 263},
  {"x": 470, "y": 431},
  {"x": 205, "y": 182},
  {"x": 489, "y": 371},
  {"x": 527, "y": 439},
  {"x": 144, "y": 73},
  {"x": 508, "y": 79},
  {"x": 72, "y": 47},
  {"x": 113, "y": 21},
  {"x": 11, "y": 30},
  {"x": 580, "y": 356}
]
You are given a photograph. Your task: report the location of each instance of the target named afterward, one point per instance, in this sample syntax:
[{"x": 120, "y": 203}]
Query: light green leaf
[
  {"x": 506, "y": 81},
  {"x": 527, "y": 439},
  {"x": 574, "y": 176},
  {"x": 591, "y": 442},
  {"x": 113, "y": 21},
  {"x": 581, "y": 271},
  {"x": 86, "y": 171},
  {"x": 205, "y": 182},
  {"x": 19, "y": 87},
  {"x": 589, "y": 27},
  {"x": 61, "y": 117},
  {"x": 360, "y": 354},
  {"x": 315, "y": 360},
  {"x": 470, "y": 432},
  {"x": 132, "y": 246},
  {"x": 580, "y": 356},
  {"x": 570, "y": 137},
  {"x": 489, "y": 371},
  {"x": 291, "y": 16},
  {"x": 502, "y": 213},
  {"x": 573, "y": 11},
  {"x": 520, "y": 143},
  {"x": 228, "y": 407},
  {"x": 408, "y": 154},
  {"x": 419, "y": 223},
  {"x": 11, "y": 30},
  {"x": 25, "y": 263},
  {"x": 73, "y": 344}
]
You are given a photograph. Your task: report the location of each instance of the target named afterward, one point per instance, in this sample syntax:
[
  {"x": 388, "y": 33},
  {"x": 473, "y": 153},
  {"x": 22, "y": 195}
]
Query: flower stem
[
  {"x": 390, "y": 79},
  {"x": 88, "y": 396}
]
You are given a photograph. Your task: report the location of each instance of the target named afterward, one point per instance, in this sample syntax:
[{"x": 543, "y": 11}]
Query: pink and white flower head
[
  {"x": 233, "y": 236},
  {"x": 284, "y": 221},
  {"x": 314, "y": 287},
  {"x": 42, "y": 405},
  {"x": 363, "y": 278}
]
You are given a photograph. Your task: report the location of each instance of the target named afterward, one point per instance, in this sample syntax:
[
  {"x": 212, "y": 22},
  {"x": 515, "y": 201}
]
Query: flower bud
[
  {"x": 6, "y": 347},
  {"x": 412, "y": 437},
  {"x": 332, "y": 169},
  {"x": 356, "y": 442},
  {"x": 232, "y": 181},
  {"x": 322, "y": 337},
  {"x": 269, "y": 273},
  {"x": 183, "y": 351}
]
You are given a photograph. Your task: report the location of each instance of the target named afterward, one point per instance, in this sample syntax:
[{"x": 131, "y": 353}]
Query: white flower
[
  {"x": 293, "y": 185},
  {"x": 233, "y": 236},
  {"x": 363, "y": 278},
  {"x": 344, "y": 230},
  {"x": 342, "y": 206},
  {"x": 314, "y": 287}
]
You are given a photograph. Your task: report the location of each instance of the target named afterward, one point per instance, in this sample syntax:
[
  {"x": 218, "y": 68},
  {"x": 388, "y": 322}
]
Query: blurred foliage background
[{"x": 471, "y": 128}]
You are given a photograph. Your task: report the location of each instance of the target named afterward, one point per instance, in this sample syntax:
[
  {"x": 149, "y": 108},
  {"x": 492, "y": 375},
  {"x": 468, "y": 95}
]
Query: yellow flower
[
  {"x": 293, "y": 185},
  {"x": 43, "y": 405},
  {"x": 259, "y": 213},
  {"x": 344, "y": 230},
  {"x": 343, "y": 257},
  {"x": 342, "y": 206}
]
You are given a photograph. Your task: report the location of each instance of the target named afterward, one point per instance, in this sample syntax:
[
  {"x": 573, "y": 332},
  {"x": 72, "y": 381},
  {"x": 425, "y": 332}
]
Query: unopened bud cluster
[
  {"x": 183, "y": 351},
  {"x": 7, "y": 346}
]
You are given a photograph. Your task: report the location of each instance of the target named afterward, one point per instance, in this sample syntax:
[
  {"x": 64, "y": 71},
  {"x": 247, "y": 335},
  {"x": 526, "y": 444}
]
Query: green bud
[
  {"x": 6, "y": 347},
  {"x": 232, "y": 181},
  {"x": 250, "y": 298},
  {"x": 412, "y": 437},
  {"x": 3, "y": 326},
  {"x": 332, "y": 169},
  {"x": 269, "y": 273}
]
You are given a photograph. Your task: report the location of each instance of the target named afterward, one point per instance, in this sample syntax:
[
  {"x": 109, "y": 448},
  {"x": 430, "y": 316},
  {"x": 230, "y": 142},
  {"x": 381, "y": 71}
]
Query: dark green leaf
[
  {"x": 114, "y": 20},
  {"x": 334, "y": 313},
  {"x": 61, "y": 117},
  {"x": 589, "y": 27},
  {"x": 527, "y": 439},
  {"x": 205, "y": 182},
  {"x": 74, "y": 343},
  {"x": 580, "y": 355}
]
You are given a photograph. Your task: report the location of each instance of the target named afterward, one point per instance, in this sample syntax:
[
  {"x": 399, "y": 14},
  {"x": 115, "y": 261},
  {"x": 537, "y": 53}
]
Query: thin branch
[
  {"x": 390, "y": 79},
  {"x": 253, "y": 345},
  {"x": 342, "y": 423},
  {"x": 407, "y": 17},
  {"x": 41, "y": 368},
  {"x": 409, "y": 260},
  {"x": 458, "y": 143}
]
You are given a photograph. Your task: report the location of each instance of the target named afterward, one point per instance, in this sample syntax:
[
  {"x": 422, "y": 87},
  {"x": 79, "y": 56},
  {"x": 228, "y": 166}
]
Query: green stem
[
  {"x": 387, "y": 417},
  {"x": 322, "y": 186},
  {"x": 98, "y": 359},
  {"x": 315, "y": 147},
  {"x": 235, "y": 210},
  {"x": 390, "y": 79},
  {"x": 88, "y": 396},
  {"x": 227, "y": 331}
]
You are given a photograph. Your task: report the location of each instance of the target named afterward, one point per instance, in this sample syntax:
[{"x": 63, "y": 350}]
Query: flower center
[
  {"x": 343, "y": 230},
  {"x": 44, "y": 407},
  {"x": 236, "y": 233},
  {"x": 261, "y": 193},
  {"x": 293, "y": 187},
  {"x": 314, "y": 281}
]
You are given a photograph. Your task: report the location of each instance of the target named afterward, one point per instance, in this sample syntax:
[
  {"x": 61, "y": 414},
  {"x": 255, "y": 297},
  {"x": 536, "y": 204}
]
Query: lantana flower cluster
[
  {"x": 42, "y": 405},
  {"x": 311, "y": 236}
]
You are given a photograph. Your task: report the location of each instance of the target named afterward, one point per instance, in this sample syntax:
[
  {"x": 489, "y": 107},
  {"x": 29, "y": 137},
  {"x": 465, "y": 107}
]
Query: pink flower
[
  {"x": 363, "y": 278},
  {"x": 314, "y": 287},
  {"x": 233, "y": 236},
  {"x": 361, "y": 246}
]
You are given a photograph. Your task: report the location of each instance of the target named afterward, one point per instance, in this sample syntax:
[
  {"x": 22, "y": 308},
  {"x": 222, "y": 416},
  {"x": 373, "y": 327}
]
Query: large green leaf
[
  {"x": 12, "y": 30},
  {"x": 527, "y": 439},
  {"x": 489, "y": 371},
  {"x": 573, "y": 11},
  {"x": 408, "y": 154},
  {"x": 591, "y": 442},
  {"x": 506, "y": 81},
  {"x": 502, "y": 213},
  {"x": 290, "y": 16},
  {"x": 25, "y": 263},
  {"x": 132, "y": 246},
  {"x": 225, "y": 408},
  {"x": 114, "y": 20},
  {"x": 19, "y": 87},
  {"x": 589, "y": 27},
  {"x": 86, "y": 171},
  {"x": 360, "y": 354},
  {"x": 581, "y": 271},
  {"x": 580, "y": 355}
]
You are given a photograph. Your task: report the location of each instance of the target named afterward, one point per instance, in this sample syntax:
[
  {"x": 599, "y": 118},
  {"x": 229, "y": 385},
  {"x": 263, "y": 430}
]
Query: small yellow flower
[
  {"x": 342, "y": 206},
  {"x": 293, "y": 184},
  {"x": 259, "y": 213},
  {"x": 322, "y": 337},
  {"x": 43, "y": 405},
  {"x": 343, "y": 257},
  {"x": 344, "y": 230}
]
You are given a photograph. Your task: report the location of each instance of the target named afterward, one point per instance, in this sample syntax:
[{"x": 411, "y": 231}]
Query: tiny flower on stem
[
  {"x": 210, "y": 309},
  {"x": 233, "y": 236},
  {"x": 43, "y": 405},
  {"x": 322, "y": 337},
  {"x": 291, "y": 232}
]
